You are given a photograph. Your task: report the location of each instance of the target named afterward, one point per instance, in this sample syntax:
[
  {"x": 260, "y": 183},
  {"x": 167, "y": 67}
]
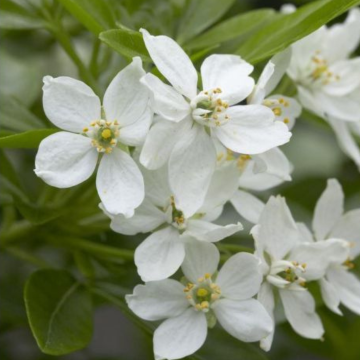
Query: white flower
[
  {"x": 256, "y": 173},
  {"x": 284, "y": 108},
  {"x": 162, "y": 253},
  {"x": 70, "y": 157},
  {"x": 328, "y": 81},
  {"x": 189, "y": 310},
  {"x": 194, "y": 117},
  {"x": 288, "y": 263},
  {"x": 338, "y": 285}
]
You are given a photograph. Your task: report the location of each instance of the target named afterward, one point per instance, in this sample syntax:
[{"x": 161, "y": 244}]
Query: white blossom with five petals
[
  {"x": 69, "y": 157},
  {"x": 288, "y": 263},
  {"x": 161, "y": 254},
  {"x": 191, "y": 118},
  {"x": 189, "y": 310}
]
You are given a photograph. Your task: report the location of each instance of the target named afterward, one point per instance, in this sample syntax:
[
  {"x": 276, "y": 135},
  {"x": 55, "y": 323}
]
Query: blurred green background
[{"x": 39, "y": 224}]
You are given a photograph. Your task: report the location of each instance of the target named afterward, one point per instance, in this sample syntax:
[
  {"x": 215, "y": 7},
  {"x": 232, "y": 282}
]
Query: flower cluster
[{"x": 170, "y": 155}]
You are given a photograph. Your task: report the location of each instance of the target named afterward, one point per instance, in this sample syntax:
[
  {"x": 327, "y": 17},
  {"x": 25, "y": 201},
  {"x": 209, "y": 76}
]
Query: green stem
[
  {"x": 18, "y": 230},
  {"x": 235, "y": 248},
  {"x": 26, "y": 256},
  {"x": 55, "y": 27},
  {"x": 91, "y": 247}
]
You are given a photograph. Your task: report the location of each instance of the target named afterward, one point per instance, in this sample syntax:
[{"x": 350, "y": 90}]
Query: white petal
[
  {"x": 346, "y": 81},
  {"x": 252, "y": 130},
  {"x": 247, "y": 205},
  {"x": 281, "y": 63},
  {"x": 147, "y": 218},
  {"x": 159, "y": 144},
  {"x": 348, "y": 287},
  {"x": 299, "y": 309},
  {"x": 348, "y": 228},
  {"x": 343, "y": 38},
  {"x": 64, "y": 159},
  {"x": 230, "y": 74},
  {"x": 223, "y": 185},
  {"x": 305, "y": 234},
  {"x": 157, "y": 300},
  {"x": 181, "y": 336},
  {"x": 193, "y": 154},
  {"x": 240, "y": 277},
  {"x": 70, "y": 104},
  {"x": 345, "y": 139},
  {"x": 167, "y": 102},
  {"x": 318, "y": 256},
  {"x": 330, "y": 296},
  {"x": 201, "y": 258},
  {"x": 159, "y": 255},
  {"x": 157, "y": 186},
  {"x": 278, "y": 232},
  {"x": 258, "y": 94},
  {"x": 135, "y": 134},
  {"x": 126, "y": 99},
  {"x": 266, "y": 298},
  {"x": 172, "y": 62},
  {"x": 328, "y": 209},
  {"x": 290, "y": 109},
  {"x": 246, "y": 320},
  {"x": 119, "y": 183},
  {"x": 206, "y": 231}
]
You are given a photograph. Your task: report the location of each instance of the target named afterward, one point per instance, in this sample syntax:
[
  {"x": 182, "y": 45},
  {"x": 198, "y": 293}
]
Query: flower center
[
  {"x": 177, "y": 217},
  {"x": 209, "y": 109},
  {"x": 203, "y": 293},
  {"x": 285, "y": 274},
  {"x": 278, "y": 107},
  {"x": 104, "y": 135},
  {"x": 241, "y": 159}
]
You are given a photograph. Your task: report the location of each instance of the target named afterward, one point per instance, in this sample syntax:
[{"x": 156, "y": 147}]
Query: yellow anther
[
  {"x": 186, "y": 289},
  {"x": 200, "y": 280},
  {"x": 198, "y": 306},
  {"x": 219, "y": 102},
  {"x": 227, "y": 117},
  {"x": 277, "y": 111},
  {"x": 189, "y": 297},
  {"x": 108, "y": 150},
  {"x": 202, "y": 292},
  {"x": 207, "y": 276},
  {"x": 286, "y": 120},
  {"x": 93, "y": 123},
  {"x": 281, "y": 100},
  {"x": 286, "y": 103},
  {"x": 85, "y": 129},
  {"x": 218, "y": 109},
  {"x": 304, "y": 265},
  {"x": 215, "y": 117},
  {"x": 295, "y": 263},
  {"x": 113, "y": 142},
  {"x": 106, "y": 133},
  {"x": 108, "y": 123},
  {"x": 190, "y": 286},
  {"x": 204, "y": 305},
  {"x": 302, "y": 283},
  {"x": 214, "y": 296},
  {"x": 220, "y": 156}
]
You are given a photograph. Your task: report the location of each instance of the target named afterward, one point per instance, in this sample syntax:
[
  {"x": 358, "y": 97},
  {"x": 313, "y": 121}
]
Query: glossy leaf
[
  {"x": 289, "y": 28},
  {"x": 14, "y": 116},
  {"x": 126, "y": 42},
  {"x": 233, "y": 28},
  {"x": 199, "y": 15},
  {"x": 95, "y": 15},
  {"x": 59, "y": 310},
  {"x": 26, "y": 140}
]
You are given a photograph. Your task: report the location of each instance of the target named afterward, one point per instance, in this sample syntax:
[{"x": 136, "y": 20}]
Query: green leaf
[
  {"x": 126, "y": 42},
  {"x": 59, "y": 311},
  {"x": 15, "y": 17},
  {"x": 95, "y": 15},
  {"x": 199, "y": 15},
  {"x": 15, "y": 116},
  {"x": 26, "y": 140},
  {"x": 289, "y": 28},
  {"x": 233, "y": 28}
]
